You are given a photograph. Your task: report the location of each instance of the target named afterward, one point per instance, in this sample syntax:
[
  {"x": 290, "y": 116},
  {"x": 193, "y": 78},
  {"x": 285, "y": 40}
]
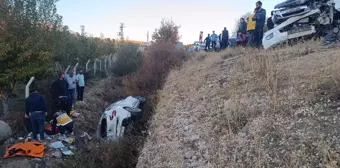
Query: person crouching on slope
[{"x": 63, "y": 122}]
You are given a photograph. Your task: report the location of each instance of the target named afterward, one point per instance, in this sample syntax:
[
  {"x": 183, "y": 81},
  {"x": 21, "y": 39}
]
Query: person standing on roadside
[
  {"x": 71, "y": 80},
  {"x": 207, "y": 41},
  {"x": 81, "y": 84},
  {"x": 242, "y": 33},
  {"x": 36, "y": 110},
  {"x": 270, "y": 23},
  {"x": 214, "y": 39},
  {"x": 250, "y": 29},
  {"x": 260, "y": 18},
  {"x": 225, "y": 38},
  {"x": 59, "y": 94}
]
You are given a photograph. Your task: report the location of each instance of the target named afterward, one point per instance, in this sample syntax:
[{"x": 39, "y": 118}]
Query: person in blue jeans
[
  {"x": 214, "y": 39},
  {"x": 71, "y": 80},
  {"x": 36, "y": 110}
]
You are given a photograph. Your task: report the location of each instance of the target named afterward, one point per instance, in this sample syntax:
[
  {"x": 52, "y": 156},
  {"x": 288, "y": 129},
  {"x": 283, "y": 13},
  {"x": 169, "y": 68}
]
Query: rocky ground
[{"x": 249, "y": 108}]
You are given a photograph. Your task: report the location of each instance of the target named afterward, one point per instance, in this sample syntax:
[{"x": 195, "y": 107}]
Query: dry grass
[{"x": 249, "y": 108}]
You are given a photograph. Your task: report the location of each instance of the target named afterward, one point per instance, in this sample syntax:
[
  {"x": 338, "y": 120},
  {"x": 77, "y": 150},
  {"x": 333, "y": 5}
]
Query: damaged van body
[{"x": 118, "y": 116}]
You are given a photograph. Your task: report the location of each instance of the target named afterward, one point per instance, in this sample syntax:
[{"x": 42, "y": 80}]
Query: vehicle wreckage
[
  {"x": 296, "y": 19},
  {"x": 118, "y": 116}
]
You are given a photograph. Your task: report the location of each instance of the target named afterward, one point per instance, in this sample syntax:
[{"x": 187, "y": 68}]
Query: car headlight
[{"x": 270, "y": 36}]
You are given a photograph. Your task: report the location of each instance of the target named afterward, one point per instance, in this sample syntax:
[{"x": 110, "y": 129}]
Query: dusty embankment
[
  {"x": 249, "y": 108},
  {"x": 158, "y": 60}
]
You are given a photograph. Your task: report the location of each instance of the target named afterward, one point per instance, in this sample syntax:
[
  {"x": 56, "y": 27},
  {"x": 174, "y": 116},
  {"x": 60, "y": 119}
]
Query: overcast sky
[{"x": 139, "y": 16}]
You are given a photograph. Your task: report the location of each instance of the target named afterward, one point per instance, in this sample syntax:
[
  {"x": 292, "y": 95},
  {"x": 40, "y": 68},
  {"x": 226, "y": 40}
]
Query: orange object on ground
[{"x": 30, "y": 149}]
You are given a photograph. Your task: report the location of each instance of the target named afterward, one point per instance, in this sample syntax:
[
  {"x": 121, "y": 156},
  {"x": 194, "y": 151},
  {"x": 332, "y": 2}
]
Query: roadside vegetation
[{"x": 33, "y": 38}]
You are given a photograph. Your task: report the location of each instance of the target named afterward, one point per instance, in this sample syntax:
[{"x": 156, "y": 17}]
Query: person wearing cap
[
  {"x": 81, "y": 85},
  {"x": 36, "y": 110},
  {"x": 260, "y": 18},
  {"x": 59, "y": 94}
]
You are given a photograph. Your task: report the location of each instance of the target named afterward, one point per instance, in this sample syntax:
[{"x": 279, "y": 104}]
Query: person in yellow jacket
[
  {"x": 250, "y": 29},
  {"x": 63, "y": 122}
]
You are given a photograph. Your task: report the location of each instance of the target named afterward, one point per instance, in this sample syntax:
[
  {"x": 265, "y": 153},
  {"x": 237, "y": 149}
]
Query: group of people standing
[
  {"x": 212, "y": 39},
  {"x": 250, "y": 33},
  {"x": 63, "y": 94}
]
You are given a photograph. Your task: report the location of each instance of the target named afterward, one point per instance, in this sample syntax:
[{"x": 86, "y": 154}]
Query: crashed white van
[{"x": 118, "y": 116}]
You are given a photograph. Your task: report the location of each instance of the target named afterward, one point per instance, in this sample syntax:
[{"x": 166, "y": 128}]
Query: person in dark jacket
[
  {"x": 207, "y": 41},
  {"x": 260, "y": 18},
  {"x": 242, "y": 26},
  {"x": 36, "y": 110},
  {"x": 59, "y": 95},
  {"x": 270, "y": 23},
  {"x": 242, "y": 32},
  {"x": 225, "y": 38}
]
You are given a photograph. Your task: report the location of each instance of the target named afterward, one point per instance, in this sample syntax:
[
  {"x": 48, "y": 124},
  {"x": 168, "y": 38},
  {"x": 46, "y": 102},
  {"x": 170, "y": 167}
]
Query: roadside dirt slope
[{"x": 249, "y": 108}]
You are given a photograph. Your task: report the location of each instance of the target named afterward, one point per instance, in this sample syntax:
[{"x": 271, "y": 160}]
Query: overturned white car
[{"x": 118, "y": 116}]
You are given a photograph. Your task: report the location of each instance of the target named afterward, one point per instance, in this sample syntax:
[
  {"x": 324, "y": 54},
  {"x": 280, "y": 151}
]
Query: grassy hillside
[{"x": 249, "y": 108}]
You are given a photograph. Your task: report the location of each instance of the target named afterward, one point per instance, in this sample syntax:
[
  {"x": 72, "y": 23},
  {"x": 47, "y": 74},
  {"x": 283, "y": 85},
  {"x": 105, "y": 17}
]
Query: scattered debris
[
  {"x": 67, "y": 140},
  {"x": 57, "y": 154},
  {"x": 87, "y": 136},
  {"x": 68, "y": 152},
  {"x": 57, "y": 145},
  {"x": 76, "y": 114}
]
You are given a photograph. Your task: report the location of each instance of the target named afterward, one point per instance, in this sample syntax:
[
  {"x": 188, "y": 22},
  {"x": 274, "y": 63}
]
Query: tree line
[{"x": 33, "y": 38}]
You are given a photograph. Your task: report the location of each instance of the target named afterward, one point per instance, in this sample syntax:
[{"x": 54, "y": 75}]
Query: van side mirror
[{"x": 125, "y": 122}]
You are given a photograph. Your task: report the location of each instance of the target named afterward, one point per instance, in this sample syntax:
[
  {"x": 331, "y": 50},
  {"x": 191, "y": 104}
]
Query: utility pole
[
  {"x": 121, "y": 33},
  {"x": 147, "y": 38}
]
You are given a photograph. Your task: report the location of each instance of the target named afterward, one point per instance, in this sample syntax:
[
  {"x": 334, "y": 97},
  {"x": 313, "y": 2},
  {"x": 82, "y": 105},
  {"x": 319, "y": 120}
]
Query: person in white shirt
[
  {"x": 71, "y": 80},
  {"x": 81, "y": 85}
]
